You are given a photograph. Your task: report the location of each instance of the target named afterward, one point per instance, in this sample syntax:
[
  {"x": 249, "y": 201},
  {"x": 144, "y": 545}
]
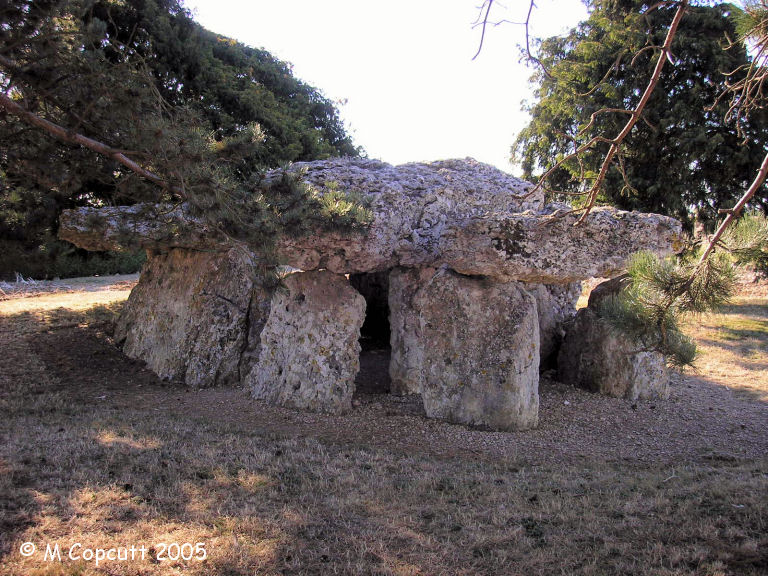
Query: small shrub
[
  {"x": 57, "y": 259},
  {"x": 649, "y": 309}
]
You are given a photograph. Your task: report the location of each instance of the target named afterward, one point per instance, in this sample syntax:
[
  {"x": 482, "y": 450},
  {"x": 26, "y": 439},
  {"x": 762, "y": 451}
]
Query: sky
[{"x": 402, "y": 70}]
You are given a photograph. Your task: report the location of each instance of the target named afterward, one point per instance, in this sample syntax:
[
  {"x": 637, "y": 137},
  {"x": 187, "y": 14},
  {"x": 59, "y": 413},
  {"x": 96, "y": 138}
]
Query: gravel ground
[
  {"x": 700, "y": 421},
  {"x": 704, "y": 419}
]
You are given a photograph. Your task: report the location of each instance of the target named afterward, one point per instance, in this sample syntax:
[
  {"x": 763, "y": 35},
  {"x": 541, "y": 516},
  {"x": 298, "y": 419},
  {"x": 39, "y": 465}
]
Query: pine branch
[
  {"x": 733, "y": 214},
  {"x": 664, "y": 55},
  {"x": 61, "y": 133}
]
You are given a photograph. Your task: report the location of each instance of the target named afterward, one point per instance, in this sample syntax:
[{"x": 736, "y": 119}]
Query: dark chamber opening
[{"x": 373, "y": 377}]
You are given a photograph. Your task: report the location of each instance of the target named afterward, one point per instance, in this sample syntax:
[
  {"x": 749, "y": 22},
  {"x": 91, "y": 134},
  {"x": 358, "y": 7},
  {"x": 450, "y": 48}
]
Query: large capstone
[
  {"x": 193, "y": 314},
  {"x": 309, "y": 352},
  {"x": 460, "y": 214},
  {"x": 471, "y": 348},
  {"x": 413, "y": 205}
]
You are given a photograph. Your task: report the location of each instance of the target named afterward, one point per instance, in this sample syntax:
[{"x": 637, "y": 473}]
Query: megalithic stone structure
[{"x": 482, "y": 275}]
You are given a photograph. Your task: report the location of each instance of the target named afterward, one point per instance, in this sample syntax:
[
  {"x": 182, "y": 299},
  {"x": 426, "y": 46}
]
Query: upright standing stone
[
  {"x": 188, "y": 316},
  {"x": 309, "y": 345},
  {"x": 406, "y": 365},
  {"x": 470, "y": 346},
  {"x": 601, "y": 359}
]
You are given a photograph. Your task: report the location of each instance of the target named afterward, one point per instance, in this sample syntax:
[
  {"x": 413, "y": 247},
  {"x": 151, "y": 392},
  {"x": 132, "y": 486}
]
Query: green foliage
[
  {"x": 301, "y": 208},
  {"x": 673, "y": 281},
  {"x": 747, "y": 240},
  {"x": 205, "y": 113},
  {"x": 752, "y": 21},
  {"x": 623, "y": 313},
  {"x": 661, "y": 292},
  {"x": 233, "y": 86},
  {"x": 57, "y": 259},
  {"x": 681, "y": 158},
  {"x": 747, "y": 93},
  {"x": 341, "y": 209}
]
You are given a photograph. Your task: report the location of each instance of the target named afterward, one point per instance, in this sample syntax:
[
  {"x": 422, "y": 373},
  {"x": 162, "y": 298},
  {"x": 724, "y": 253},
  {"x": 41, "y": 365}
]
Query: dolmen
[{"x": 477, "y": 273}]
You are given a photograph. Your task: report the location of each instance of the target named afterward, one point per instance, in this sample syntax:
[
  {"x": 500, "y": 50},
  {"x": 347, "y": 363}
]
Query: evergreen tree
[
  {"x": 200, "y": 114},
  {"x": 682, "y": 158}
]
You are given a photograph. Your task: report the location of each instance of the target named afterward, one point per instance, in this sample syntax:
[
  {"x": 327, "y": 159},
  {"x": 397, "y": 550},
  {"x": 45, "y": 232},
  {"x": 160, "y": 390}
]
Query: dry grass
[
  {"x": 113, "y": 460},
  {"x": 733, "y": 345}
]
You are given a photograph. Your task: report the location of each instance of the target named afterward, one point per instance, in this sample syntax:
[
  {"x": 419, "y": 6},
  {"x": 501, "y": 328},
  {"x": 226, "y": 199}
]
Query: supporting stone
[
  {"x": 309, "y": 345},
  {"x": 470, "y": 346},
  {"x": 556, "y": 304},
  {"x": 190, "y": 316},
  {"x": 601, "y": 359},
  {"x": 406, "y": 361}
]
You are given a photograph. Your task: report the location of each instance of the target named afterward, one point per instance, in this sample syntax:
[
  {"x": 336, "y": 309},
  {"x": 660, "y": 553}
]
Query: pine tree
[
  {"x": 682, "y": 158},
  {"x": 201, "y": 115}
]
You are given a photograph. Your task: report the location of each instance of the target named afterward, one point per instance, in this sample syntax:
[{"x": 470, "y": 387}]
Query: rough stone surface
[
  {"x": 156, "y": 228},
  {"x": 556, "y": 304},
  {"x": 461, "y": 214},
  {"x": 607, "y": 288},
  {"x": 192, "y": 316},
  {"x": 548, "y": 247},
  {"x": 407, "y": 356},
  {"x": 412, "y": 204},
  {"x": 309, "y": 345},
  {"x": 470, "y": 347},
  {"x": 599, "y": 359}
]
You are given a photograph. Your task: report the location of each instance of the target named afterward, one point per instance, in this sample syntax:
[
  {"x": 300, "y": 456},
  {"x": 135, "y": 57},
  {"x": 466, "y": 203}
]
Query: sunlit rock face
[
  {"x": 478, "y": 271},
  {"x": 407, "y": 357},
  {"x": 470, "y": 347},
  {"x": 598, "y": 359},
  {"x": 413, "y": 206},
  {"x": 461, "y": 214}
]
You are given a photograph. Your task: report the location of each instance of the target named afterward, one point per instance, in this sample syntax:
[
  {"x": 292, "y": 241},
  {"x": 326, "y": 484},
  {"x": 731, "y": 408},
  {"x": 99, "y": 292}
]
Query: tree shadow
[
  {"x": 105, "y": 441},
  {"x": 111, "y": 455}
]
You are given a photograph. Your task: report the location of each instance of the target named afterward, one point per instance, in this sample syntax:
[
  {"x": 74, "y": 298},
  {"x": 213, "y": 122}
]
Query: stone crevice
[
  {"x": 243, "y": 311},
  {"x": 246, "y": 339}
]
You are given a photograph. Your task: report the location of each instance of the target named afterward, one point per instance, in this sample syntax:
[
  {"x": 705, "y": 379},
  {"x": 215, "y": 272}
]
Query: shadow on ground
[{"x": 96, "y": 447}]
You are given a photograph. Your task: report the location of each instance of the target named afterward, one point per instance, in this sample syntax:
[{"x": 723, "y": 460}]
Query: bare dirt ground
[
  {"x": 95, "y": 449},
  {"x": 24, "y": 288}
]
